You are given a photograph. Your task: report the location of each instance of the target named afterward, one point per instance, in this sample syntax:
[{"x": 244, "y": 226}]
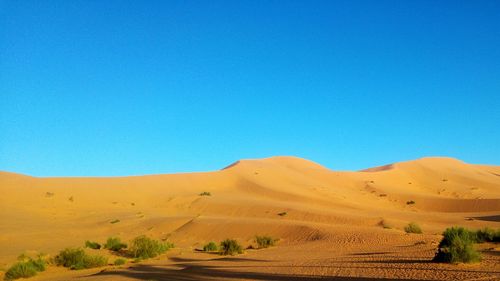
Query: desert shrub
[
  {"x": 92, "y": 245},
  {"x": 114, "y": 221},
  {"x": 25, "y": 268},
  {"x": 205, "y": 193},
  {"x": 76, "y": 258},
  {"x": 496, "y": 238},
  {"x": 120, "y": 261},
  {"x": 457, "y": 246},
  {"x": 282, "y": 214},
  {"x": 411, "y": 202},
  {"x": 114, "y": 244},
  {"x": 485, "y": 235},
  {"x": 413, "y": 228},
  {"x": 210, "y": 247},
  {"x": 264, "y": 241},
  {"x": 20, "y": 270},
  {"x": 143, "y": 247},
  {"x": 383, "y": 223},
  {"x": 230, "y": 247}
]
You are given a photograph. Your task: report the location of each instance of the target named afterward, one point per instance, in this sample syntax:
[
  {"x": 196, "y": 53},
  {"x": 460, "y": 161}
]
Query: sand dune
[{"x": 324, "y": 209}]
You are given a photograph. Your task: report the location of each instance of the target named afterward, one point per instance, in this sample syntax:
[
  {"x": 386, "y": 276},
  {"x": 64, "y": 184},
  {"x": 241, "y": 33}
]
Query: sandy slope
[{"x": 337, "y": 214}]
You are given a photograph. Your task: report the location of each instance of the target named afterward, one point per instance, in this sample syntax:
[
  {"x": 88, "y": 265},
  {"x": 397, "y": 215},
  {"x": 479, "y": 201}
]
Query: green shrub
[
  {"x": 485, "y": 235},
  {"x": 76, "y": 258},
  {"x": 457, "y": 246},
  {"x": 413, "y": 228},
  {"x": 114, "y": 244},
  {"x": 114, "y": 221},
  {"x": 20, "y": 270},
  {"x": 264, "y": 241},
  {"x": 25, "y": 268},
  {"x": 282, "y": 214},
  {"x": 210, "y": 247},
  {"x": 230, "y": 247},
  {"x": 383, "y": 223},
  {"x": 120, "y": 261},
  {"x": 143, "y": 247},
  {"x": 205, "y": 193},
  {"x": 92, "y": 245},
  {"x": 411, "y": 202}
]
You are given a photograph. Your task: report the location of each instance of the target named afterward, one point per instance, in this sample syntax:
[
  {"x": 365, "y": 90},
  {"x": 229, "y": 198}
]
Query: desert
[{"x": 333, "y": 225}]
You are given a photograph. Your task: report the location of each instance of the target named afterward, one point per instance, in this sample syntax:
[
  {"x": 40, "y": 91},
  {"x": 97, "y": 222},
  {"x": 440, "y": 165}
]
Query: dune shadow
[
  {"x": 192, "y": 272},
  {"x": 370, "y": 254},
  {"x": 495, "y": 218},
  {"x": 400, "y": 261},
  {"x": 222, "y": 258}
]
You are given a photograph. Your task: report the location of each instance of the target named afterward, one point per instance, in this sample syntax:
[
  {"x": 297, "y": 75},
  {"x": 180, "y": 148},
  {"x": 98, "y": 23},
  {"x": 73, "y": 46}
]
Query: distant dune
[{"x": 321, "y": 206}]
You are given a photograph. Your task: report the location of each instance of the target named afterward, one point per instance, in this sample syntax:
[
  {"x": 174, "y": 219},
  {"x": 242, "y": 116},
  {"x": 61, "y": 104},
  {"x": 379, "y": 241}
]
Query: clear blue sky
[{"x": 140, "y": 87}]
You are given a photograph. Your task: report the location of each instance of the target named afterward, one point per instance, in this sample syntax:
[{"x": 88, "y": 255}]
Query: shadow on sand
[
  {"x": 488, "y": 218},
  {"x": 189, "y": 270}
]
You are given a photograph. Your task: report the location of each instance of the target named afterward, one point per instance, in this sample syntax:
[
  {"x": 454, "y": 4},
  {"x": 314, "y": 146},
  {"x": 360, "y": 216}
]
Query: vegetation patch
[
  {"x": 383, "y": 223},
  {"x": 210, "y": 247},
  {"x": 230, "y": 247},
  {"x": 120, "y": 261},
  {"x": 265, "y": 241},
  {"x": 143, "y": 247},
  {"x": 92, "y": 245},
  {"x": 25, "y": 267},
  {"x": 282, "y": 214},
  {"x": 115, "y": 221},
  {"x": 487, "y": 235},
  {"x": 457, "y": 246},
  {"x": 114, "y": 244},
  {"x": 205, "y": 193},
  {"x": 411, "y": 202},
  {"x": 413, "y": 228},
  {"x": 76, "y": 258}
]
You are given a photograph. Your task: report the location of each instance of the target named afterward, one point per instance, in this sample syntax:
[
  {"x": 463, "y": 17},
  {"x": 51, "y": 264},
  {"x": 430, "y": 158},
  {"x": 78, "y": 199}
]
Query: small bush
[
  {"x": 230, "y": 247},
  {"x": 25, "y": 268},
  {"x": 20, "y": 270},
  {"x": 120, "y": 261},
  {"x": 264, "y": 241},
  {"x": 485, "y": 235},
  {"x": 411, "y": 202},
  {"x": 496, "y": 238},
  {"x": 114, "y": 244},
  {"x": 76, "y": 258},
  {"x": 282, "y": 214},
  {"x": 92, "y": 245},
  {"x": 384, "y": 224},
  {"x": 210, "y": 247},
  {"x": 457, "y": 246},
  {"x": 413, "y": 228},
  {"x": 205, "y": 193},
  {"x": 144, "y": 247},
  {"x": 114, "y": 221}
]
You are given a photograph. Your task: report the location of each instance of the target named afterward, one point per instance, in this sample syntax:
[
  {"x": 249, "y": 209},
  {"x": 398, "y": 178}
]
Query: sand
[{"x": 333, "y": 225}]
